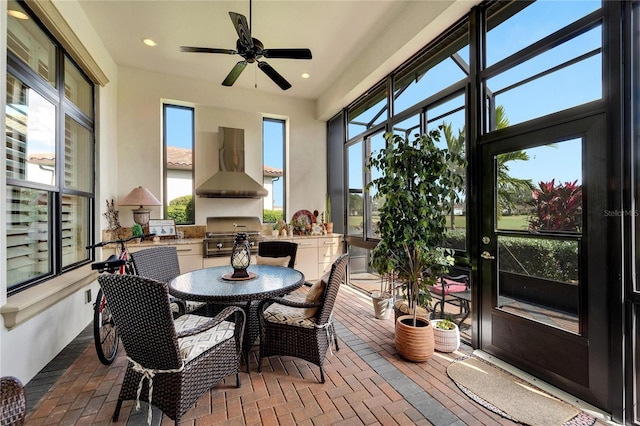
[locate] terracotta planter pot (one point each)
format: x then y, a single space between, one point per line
329 227
414 343
445 340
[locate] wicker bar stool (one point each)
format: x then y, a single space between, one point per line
279 249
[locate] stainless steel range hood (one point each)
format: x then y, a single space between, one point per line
231 181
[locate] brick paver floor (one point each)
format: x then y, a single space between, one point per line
367 383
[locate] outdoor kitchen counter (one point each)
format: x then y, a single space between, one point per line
164 242
316 253
189 250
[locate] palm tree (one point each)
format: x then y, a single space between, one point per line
456 145
509 188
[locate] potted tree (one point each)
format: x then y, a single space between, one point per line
416 185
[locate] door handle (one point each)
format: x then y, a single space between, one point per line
486 255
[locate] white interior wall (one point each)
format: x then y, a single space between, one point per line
140 98
28 347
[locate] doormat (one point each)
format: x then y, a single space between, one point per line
512 398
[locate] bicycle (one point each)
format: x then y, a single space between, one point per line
105 332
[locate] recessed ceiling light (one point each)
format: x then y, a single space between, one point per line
17 14
305 75
149 42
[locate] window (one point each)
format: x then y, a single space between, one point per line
432 71
555 73
368 112
273 161
178 165
450 114
49 162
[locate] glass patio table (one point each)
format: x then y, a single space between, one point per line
208 285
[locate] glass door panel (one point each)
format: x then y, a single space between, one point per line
539 219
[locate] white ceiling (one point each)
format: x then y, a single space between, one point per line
336 31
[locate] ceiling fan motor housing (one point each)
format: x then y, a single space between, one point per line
250 54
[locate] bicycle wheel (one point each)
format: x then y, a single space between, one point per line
105 333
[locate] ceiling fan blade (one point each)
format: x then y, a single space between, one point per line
273 75
287 53
207 50
235 73
243 30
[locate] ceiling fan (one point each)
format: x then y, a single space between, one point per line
252 50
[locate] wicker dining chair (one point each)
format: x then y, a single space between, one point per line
162 264
13 402
271 249
291 328
279 249
174 361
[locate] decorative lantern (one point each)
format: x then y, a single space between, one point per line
240 256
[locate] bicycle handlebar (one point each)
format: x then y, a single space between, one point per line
120 241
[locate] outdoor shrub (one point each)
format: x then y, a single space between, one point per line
181 210
271 216
557 208
551 259
456 238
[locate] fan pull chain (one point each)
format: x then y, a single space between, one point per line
255 77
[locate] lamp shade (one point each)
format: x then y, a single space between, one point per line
140 197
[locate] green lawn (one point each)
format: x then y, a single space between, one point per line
515 222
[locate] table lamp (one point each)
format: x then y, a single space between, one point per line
140 197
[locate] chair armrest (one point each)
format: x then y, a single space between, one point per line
286 302
223 315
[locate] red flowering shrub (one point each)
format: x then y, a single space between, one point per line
557 208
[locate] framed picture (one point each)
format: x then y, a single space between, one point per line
162 227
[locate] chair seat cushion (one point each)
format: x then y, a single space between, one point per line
192 306
192 346
451 288
273 261
289 315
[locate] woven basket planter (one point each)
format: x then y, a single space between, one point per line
401 307
414 343
445 340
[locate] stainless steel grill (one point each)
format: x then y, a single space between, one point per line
221 232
